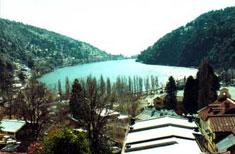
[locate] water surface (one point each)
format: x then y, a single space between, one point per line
113 69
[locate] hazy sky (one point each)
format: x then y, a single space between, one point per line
116 26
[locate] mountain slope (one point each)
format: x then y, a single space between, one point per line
211 36
42 49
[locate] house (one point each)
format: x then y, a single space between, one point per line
152 113
227 144
11 127
161 135
158 102
216 122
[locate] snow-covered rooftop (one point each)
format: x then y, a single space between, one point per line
161 135
107 112
11 125
163 121
157 133
178 145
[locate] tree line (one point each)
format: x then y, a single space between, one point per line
198 92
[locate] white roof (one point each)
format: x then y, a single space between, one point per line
17 85
161 136
163 121
159 133
107 112
11 125
180 93
181 146
122 116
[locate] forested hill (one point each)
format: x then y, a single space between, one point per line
211 36
44 50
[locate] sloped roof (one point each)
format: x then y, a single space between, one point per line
161 135
226 143
165 146
222 124
11 125
217 109
163 121
152 113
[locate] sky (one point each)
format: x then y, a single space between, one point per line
115 26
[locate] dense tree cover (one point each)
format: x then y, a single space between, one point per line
201 91
6 83
66 141
171 91
208 84
44 50
211 35
6 74
190 95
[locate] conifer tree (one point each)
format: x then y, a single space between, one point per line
190 95
76 98
171 91
208 84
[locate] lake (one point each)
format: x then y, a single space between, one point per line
113 69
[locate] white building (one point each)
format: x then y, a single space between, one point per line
11 126
161 136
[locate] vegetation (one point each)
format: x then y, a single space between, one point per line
44 50
6 82
66 141
91 106
171 91
211 36
201 91
208 84
190 95
32 105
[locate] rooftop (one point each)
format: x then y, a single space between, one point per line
11 125
152 113
161 135
226 143
165 146
222 124
164 120
226 107
107 112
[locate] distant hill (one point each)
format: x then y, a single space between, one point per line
44 50
211 36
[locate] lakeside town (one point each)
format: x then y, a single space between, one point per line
134 116
117 77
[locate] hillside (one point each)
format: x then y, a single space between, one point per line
211 36
44 50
